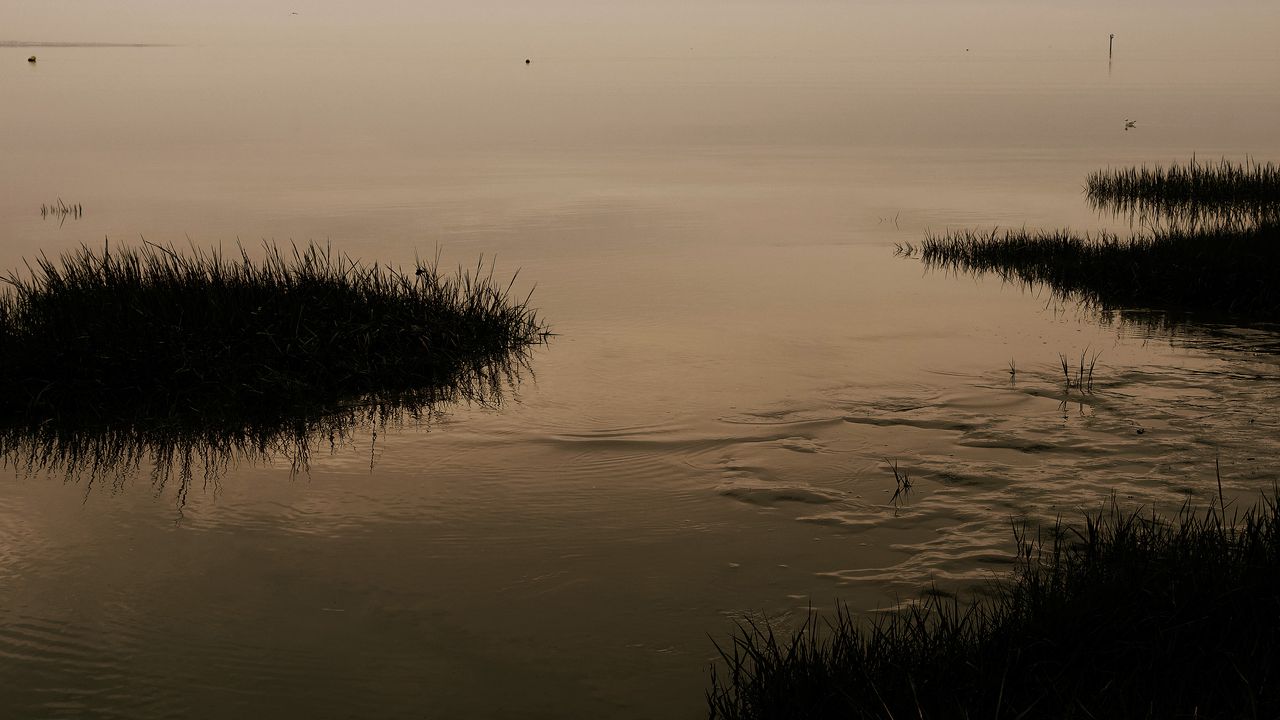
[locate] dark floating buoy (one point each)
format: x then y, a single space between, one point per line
31 59
527 61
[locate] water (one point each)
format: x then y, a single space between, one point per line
708 205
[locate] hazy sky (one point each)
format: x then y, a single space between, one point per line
727 27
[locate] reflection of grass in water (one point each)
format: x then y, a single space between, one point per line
61 210
1227 270
902 480
1204 184
114 357
1222 195
188 447
1212 244
1129 616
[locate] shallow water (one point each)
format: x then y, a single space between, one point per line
739 356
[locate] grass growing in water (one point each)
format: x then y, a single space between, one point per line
1129 616
112 358
1212 244
62 211
144 335
1233 271
1083 379
1226 191
902 481
115 359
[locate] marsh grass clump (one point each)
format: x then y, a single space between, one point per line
1191 194
1227 271
1128 615
115 360
149 337
1209 244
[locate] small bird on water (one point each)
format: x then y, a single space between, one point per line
1128 124
31 59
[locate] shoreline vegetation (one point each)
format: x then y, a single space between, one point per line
1128 615
111 356
1211 244
1227 193
1220 271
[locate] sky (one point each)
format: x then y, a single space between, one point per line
664 27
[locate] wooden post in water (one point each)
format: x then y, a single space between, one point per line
1110 43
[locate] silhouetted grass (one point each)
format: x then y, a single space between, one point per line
113 359
150 337
1201 183
1127 616
1210 248
1083 375
1224 194
1232 271
61 210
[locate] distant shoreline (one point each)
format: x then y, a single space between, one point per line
35 43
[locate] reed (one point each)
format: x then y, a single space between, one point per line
1226 271
902 481
148 337
1082 377
1124 615
1222 194
61 211
1224 182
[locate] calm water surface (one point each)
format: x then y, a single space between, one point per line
739 352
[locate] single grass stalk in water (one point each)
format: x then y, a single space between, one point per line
1087 375
902 478
1124 615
